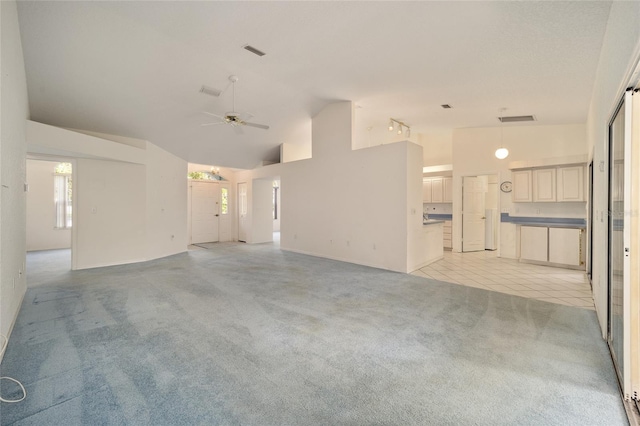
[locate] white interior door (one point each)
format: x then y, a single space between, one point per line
473 215
205 198
242 211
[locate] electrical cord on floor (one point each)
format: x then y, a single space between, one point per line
24 392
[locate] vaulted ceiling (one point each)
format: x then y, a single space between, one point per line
135 68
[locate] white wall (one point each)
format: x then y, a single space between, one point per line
166 203
130 199
619 52
437 146
110 208
14 111
41 216
294 152
347 205
473 155
262 210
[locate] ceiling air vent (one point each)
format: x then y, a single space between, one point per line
253 50
446 106
517 118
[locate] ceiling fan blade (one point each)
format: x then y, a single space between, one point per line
259 126
244 116
238 130
213 124
213 115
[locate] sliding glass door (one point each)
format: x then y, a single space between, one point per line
618 280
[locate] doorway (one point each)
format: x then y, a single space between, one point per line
479 213
49 211
590 226
242 212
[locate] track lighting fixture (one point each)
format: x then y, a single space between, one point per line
401 126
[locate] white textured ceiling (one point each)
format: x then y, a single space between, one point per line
135 68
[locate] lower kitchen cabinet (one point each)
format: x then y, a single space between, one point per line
565 246
534 243
555 246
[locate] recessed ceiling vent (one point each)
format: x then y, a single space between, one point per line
517 118
253 50
446 106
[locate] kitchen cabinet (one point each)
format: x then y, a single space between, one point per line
522 191
534 243
447 183
548 185
555 246
565 246
570 184
544 185
426 191
437 190
446 234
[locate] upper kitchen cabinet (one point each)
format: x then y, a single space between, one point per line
570 183
549 184
544 185
447 183
437 192
426 191
522 191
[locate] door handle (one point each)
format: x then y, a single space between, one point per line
217 215
483 217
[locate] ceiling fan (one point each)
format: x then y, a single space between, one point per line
233 118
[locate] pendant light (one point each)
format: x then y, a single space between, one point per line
502 152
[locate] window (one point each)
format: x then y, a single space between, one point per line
224 200
62 192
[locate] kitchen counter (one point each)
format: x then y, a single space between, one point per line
551 225
431 221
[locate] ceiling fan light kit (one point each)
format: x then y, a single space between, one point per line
234 118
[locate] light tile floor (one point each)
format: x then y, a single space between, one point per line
484 269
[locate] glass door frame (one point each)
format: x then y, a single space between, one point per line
623 372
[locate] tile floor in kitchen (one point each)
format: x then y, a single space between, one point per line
484 269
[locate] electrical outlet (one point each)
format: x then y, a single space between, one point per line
374 246
348 244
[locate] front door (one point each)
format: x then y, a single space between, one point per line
204 212
473 214
242 212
